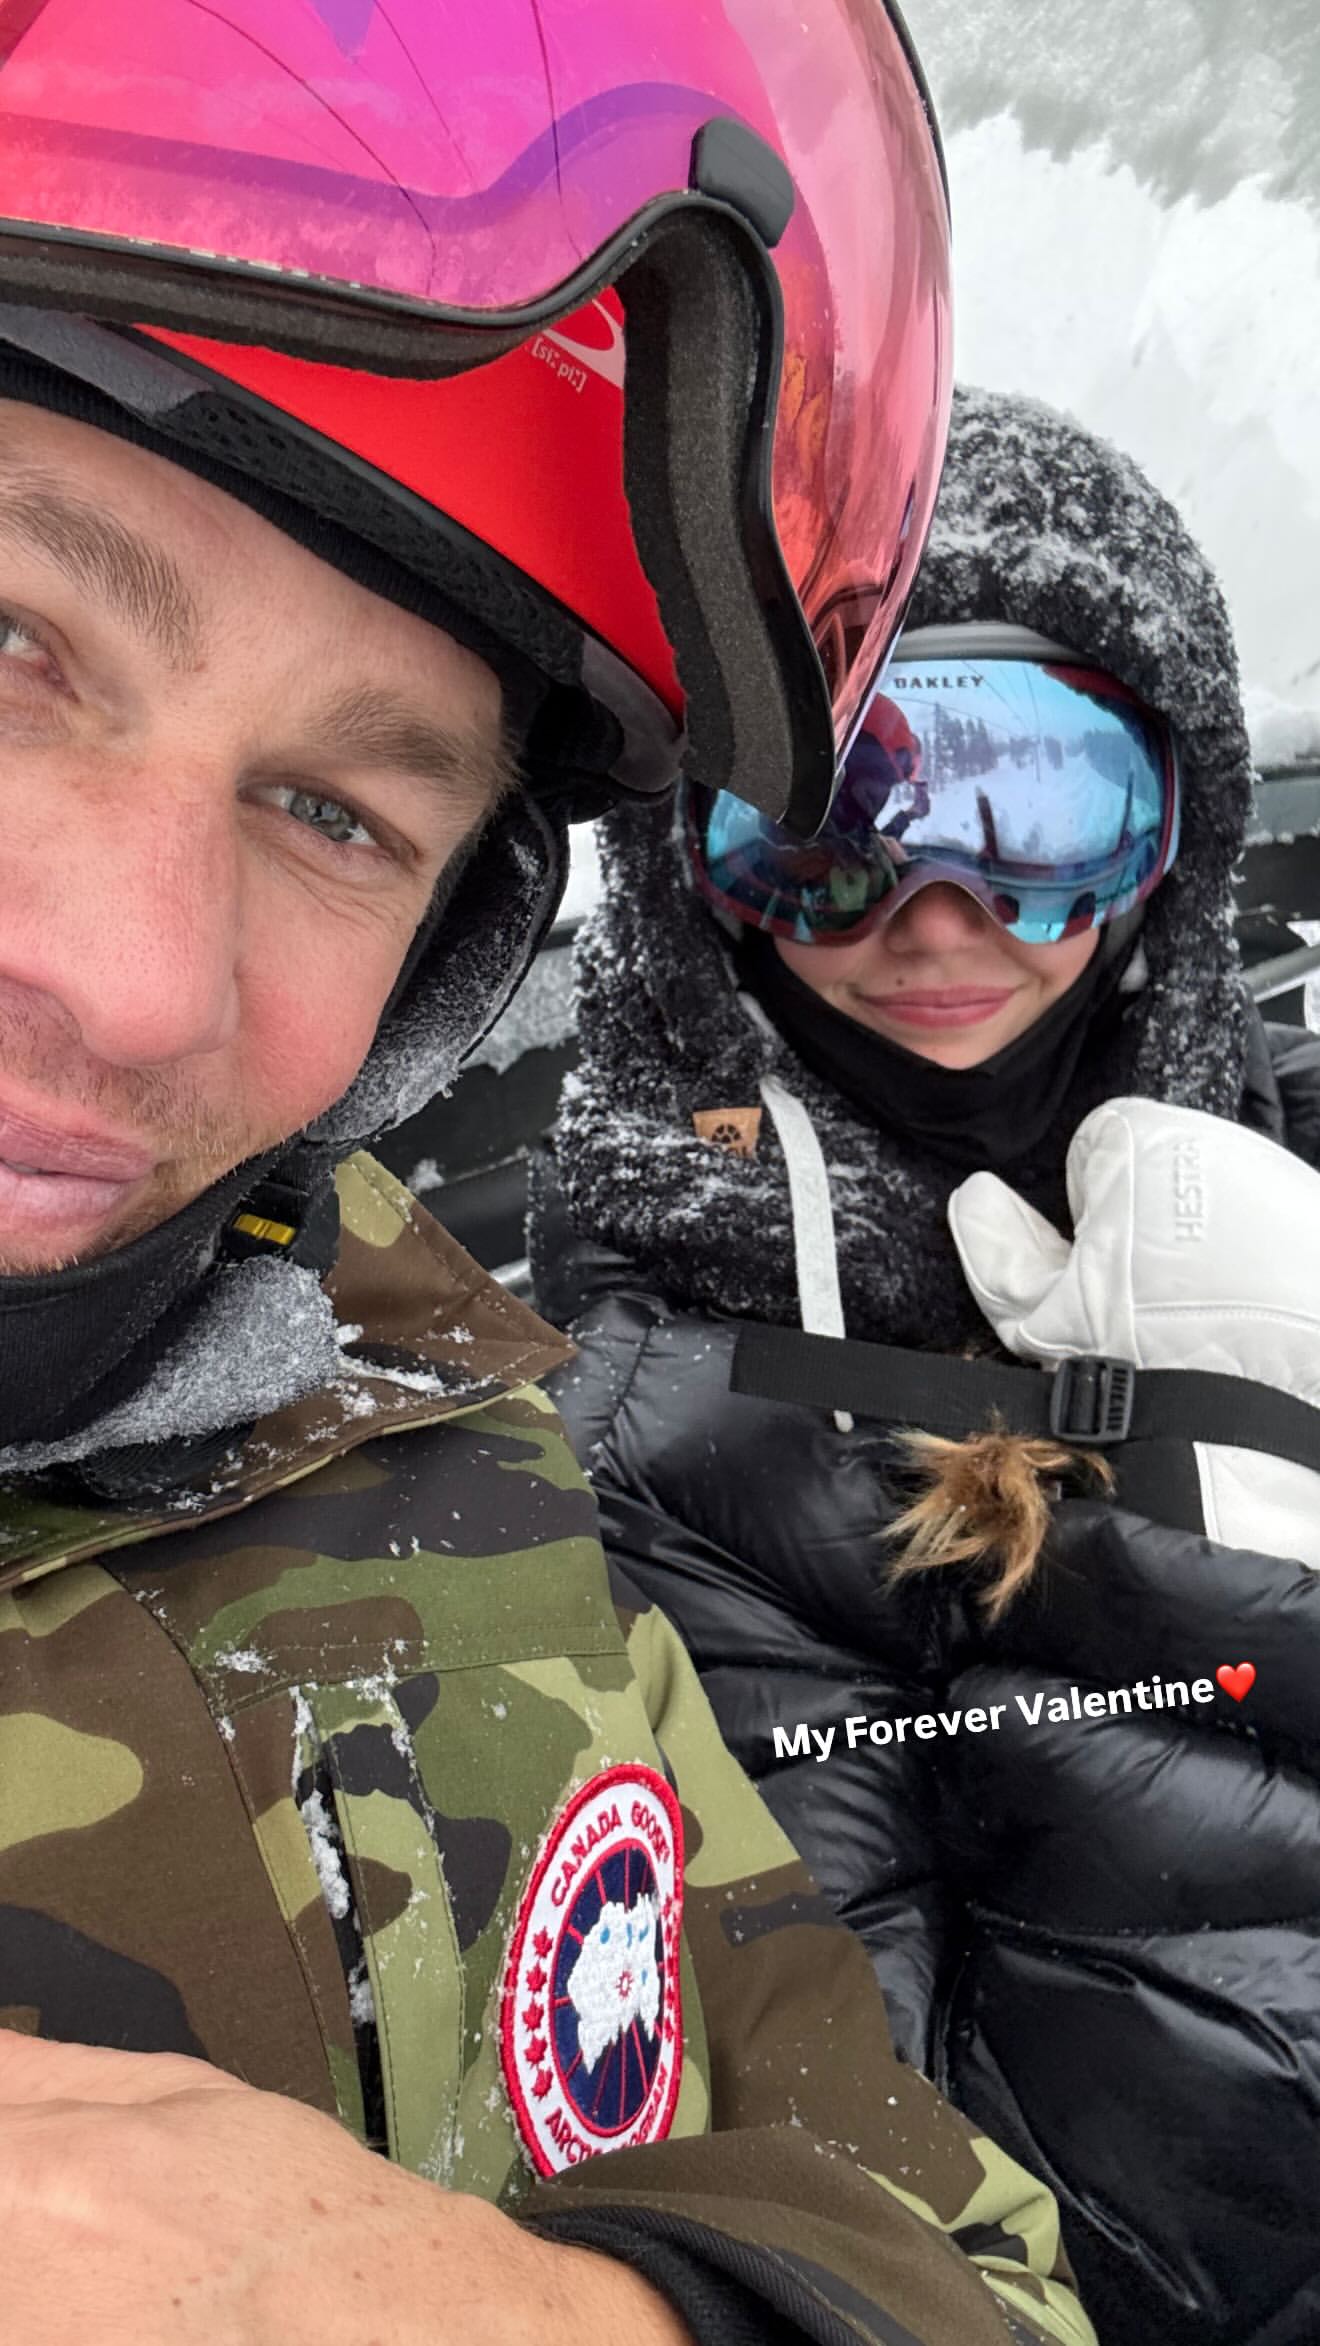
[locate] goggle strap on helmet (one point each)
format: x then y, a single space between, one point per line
123 283
703 371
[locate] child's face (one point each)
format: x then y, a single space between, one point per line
942 978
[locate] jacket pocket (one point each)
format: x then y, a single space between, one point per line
408 1983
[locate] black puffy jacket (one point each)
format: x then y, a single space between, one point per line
1101 1938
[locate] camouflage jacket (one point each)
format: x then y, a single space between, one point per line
348 1773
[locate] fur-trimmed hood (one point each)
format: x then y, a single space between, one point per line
1042 525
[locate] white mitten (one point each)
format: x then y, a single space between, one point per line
1197 1246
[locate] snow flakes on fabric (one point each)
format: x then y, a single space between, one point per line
540 1017
472 965
263 1335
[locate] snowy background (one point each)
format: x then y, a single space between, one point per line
1136 209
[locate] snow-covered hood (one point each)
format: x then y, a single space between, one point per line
1041 526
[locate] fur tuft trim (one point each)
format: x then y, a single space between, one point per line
986 1501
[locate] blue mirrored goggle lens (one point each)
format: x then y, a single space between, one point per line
1047 791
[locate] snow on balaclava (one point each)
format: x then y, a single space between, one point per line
1043 526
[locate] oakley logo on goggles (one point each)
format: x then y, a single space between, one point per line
1044 788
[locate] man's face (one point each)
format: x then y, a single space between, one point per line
229 781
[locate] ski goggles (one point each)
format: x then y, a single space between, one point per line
417 189
1038 784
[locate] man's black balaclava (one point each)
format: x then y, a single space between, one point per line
124 1365
1039 526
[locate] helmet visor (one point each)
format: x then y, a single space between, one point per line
1046 791
468 165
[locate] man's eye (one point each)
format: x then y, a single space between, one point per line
19 644
328 817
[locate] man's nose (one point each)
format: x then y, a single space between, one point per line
131 927
939 918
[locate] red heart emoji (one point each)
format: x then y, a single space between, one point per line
1239 1681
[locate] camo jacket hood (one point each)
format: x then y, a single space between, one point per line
348 1771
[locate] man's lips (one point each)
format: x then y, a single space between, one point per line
941 1006
80 1155
59 1188
55 1209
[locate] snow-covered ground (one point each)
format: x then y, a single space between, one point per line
1136 202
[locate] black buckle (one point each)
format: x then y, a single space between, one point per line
1091 1400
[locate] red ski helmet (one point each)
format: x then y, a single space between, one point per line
625 328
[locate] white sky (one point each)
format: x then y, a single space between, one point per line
1136 202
